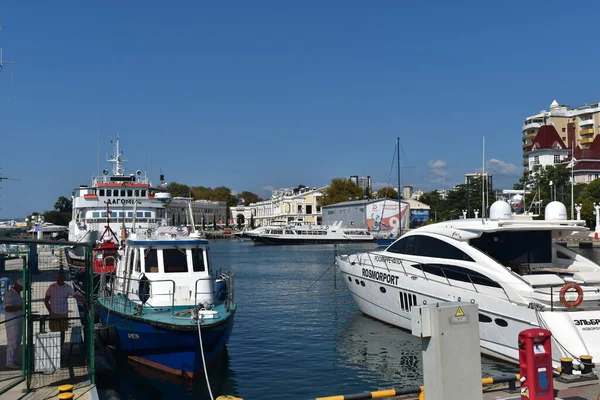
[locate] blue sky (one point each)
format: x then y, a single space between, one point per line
255 95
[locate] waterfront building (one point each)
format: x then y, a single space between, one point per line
547 149
577 126
205 212
290 205
407 192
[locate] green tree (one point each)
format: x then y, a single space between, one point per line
247 198
341 190
63 204
179 190
387 192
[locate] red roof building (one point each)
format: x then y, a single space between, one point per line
547 148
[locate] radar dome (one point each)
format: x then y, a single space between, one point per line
163 196
555 210
500 210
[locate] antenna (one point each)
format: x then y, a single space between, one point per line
98 154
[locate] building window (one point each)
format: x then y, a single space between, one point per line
556 159
564 129
536 160
309 209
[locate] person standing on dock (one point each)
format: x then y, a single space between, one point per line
13 307
57 303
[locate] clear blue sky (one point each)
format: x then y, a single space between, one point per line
269 94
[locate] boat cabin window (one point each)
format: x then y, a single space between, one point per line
137 262
147 214
129 214
513 248
139 214
457 273
151 260
143 193
108 192
198 260
96 214
426 246
175 260
122 192
560 254
101 192
137 193
129 193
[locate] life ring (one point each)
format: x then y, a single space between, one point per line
563 292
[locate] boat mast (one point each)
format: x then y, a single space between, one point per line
483 182
399 193
117 160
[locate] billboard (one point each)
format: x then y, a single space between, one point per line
417 217
383 216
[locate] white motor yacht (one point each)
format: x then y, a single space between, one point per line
511 266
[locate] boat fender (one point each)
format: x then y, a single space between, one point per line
144 289
563 292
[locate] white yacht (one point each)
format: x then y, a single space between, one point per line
10 229
509 265
133 203
309 234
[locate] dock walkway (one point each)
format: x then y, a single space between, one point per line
71 366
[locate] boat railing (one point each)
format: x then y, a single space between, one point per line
366 258
122 285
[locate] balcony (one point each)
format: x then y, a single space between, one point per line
534 125
526 146
530 136
586 131
586 140
586 122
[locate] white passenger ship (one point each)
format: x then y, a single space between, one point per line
133 202
309 234
510 266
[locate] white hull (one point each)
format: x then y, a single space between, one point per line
505 319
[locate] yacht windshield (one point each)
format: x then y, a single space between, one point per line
510 247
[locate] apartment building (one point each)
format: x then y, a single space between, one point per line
575 126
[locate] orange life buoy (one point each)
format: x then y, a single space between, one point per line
563 292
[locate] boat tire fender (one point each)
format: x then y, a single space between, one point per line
563 292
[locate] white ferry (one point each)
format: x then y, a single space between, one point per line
133 203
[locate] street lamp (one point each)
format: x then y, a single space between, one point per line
578 208
464 212
476 211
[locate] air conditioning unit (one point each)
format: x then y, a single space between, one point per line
47 352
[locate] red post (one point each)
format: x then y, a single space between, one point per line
535 364
596 235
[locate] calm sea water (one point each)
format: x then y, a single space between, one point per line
295 336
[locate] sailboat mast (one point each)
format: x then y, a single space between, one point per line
399 188
483 182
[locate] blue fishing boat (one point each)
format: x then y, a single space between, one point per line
166 307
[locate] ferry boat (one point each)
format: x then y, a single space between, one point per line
134 202
309 234
166 307
509 265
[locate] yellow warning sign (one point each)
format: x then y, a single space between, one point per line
459 312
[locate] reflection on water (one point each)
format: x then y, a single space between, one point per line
380 351
138 381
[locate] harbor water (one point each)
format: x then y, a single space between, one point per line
297 334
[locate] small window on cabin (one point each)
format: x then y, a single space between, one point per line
138 262
129 193
108 192
103 214
101 191
96 214
139 214
147 214
198 260
562 255
143 192
122 192
136 193
175 260
129 214
150 260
